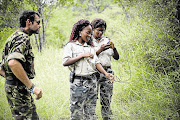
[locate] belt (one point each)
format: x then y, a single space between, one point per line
82 77
89 77
14 82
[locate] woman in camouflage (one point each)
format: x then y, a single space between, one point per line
80 57
105 49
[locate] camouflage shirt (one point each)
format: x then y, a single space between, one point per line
18 47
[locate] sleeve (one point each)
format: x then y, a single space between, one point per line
18 50
96 58
67 52
110 51
16 55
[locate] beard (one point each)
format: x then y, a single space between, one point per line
33 31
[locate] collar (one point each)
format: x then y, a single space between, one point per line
101 39
78 43
22 30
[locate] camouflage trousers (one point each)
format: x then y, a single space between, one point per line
106 91
20 100
83 97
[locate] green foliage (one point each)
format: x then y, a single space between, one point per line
60 26
9 13
89 6
141 93
146 36
162 51
53 80
4 34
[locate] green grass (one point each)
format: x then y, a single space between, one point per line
141 95
52 77
5 113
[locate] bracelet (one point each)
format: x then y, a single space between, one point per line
31 89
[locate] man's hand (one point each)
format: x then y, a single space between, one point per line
110 77
38 92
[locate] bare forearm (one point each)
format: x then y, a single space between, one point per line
2 72
108 75
71 61
98 52
100 68
19 72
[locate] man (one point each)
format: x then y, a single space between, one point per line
17 67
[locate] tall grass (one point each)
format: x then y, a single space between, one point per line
52 77
141 94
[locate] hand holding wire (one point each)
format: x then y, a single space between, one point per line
110 77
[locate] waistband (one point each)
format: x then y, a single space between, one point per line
14 82
82 77
89 77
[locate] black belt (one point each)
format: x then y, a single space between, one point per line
82 77
89 77
14 82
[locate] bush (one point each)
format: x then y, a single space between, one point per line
4 34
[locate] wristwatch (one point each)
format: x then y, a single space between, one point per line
31 89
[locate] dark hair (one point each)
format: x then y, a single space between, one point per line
27 14
98 22
77 27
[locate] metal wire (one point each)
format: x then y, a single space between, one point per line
117 79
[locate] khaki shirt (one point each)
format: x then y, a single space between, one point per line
85 66
104 56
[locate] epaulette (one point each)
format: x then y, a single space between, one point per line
66 44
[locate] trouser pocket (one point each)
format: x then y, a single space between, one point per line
78 91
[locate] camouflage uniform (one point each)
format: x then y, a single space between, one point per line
83 89
19 97
106 88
